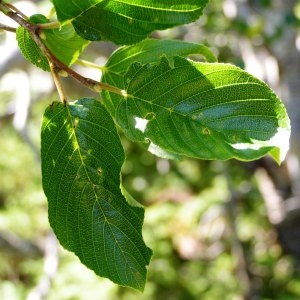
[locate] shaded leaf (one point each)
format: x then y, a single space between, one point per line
203 110
81 161
128 21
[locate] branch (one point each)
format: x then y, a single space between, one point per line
7 28
17 247
34 31
58 84
12 7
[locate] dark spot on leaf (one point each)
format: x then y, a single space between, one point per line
99 171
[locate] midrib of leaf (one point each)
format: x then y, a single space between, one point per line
189 114
24 41
155 8
206 76
171 109
133 5
96 202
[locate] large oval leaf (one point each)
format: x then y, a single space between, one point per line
81 162
203 110
128 21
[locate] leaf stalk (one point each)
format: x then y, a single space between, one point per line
87 63
50 25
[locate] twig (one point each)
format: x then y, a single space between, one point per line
18 247
58 84
7 28
16 10
35 31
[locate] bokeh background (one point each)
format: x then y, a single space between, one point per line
219 230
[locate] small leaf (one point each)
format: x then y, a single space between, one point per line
81 161
126 22
203 110
64 43
30 49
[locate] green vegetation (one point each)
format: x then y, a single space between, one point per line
205 221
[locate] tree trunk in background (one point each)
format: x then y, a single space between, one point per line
286 52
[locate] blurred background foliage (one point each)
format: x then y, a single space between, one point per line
219 230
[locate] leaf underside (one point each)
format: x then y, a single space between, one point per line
81 162
128 21
203 110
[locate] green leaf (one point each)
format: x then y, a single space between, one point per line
127 21
64 43
30 49
147 51
82 157
203 110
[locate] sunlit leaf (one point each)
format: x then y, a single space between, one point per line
127 21
203 110
147 51
30 49
63 42
81 161
119 62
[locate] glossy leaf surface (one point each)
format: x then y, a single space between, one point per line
203 110
81 162
128 21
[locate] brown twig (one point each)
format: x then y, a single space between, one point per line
58 84
15 9
34 31
7 28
